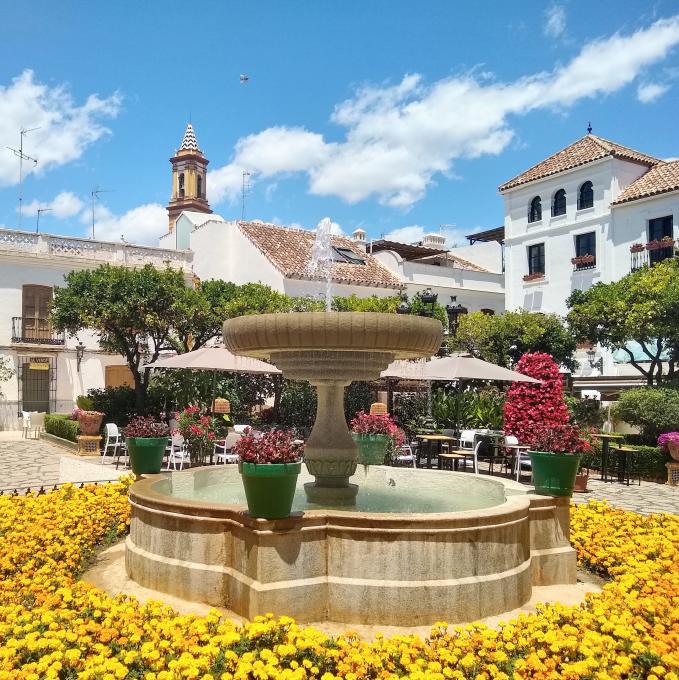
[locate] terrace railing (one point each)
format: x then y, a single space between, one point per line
652 252
34 331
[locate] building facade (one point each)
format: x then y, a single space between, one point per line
590 213
50 369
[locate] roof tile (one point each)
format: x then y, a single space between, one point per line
289 250
587 149
660 179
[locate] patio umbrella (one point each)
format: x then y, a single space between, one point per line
453 368
215 359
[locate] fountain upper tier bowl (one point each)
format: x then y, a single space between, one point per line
342 346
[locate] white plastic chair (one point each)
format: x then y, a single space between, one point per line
405 455
114 441
240 429
223 455
37 421
467 439
177 452
25 424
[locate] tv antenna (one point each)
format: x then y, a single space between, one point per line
95 196
37 218
245 190
244 77
22 157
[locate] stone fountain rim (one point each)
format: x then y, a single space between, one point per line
400 336
142 493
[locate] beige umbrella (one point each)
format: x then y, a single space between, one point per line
214 359
453 368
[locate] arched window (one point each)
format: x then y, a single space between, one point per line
586 196
559 203
535 210
181 185
199 186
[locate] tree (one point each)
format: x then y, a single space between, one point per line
653 410
6 371
132 311
531 408
503 338
642 307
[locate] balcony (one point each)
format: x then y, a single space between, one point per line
648 254
33 331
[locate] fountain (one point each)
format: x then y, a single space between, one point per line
407 547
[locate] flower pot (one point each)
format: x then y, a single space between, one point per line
673 448
146 454
554 473
581 481
372 448
90 422
269 488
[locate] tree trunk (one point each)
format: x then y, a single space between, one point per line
139 395
277 394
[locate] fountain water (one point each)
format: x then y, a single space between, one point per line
322 257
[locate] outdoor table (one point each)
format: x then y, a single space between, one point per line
456 456
606 440
439 439
623 469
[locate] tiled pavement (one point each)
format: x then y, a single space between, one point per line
28 462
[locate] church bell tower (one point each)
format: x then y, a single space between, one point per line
189 172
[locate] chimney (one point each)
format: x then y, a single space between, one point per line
359 238
434 241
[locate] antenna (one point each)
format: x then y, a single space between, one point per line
245 190
37 219
95 195
244 78
446 226
22 157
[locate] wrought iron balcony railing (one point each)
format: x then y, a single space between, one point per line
648 254
35 331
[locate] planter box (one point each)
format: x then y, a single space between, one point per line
269 488
146 454
554 473
372 448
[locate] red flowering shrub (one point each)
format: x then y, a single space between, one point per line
560 439
146 426
532 408
366 423
276 446
198 431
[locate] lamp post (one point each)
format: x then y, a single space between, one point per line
594 362
79 354
454 312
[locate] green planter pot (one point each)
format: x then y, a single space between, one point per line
269 487
372 448
554 473
146 454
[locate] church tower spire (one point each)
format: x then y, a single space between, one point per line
189 172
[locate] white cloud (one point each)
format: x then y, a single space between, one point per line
415 233
144 224
65 128
400 137
649 92
62 206
555 21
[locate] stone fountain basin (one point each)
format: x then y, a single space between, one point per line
362 567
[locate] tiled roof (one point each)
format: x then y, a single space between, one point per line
189 143
589 148
457 262
660 179
289 250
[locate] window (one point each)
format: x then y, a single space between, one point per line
199 187
348 255
585 245
536 259
36 302
586 196
559 203
535 210
658 229
181 185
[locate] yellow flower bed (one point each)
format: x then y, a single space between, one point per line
53 626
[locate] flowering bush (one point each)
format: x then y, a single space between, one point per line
198 430
560 439
54 626
531 408
146 426
275 446
366 423
668 438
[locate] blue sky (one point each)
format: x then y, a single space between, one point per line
395 116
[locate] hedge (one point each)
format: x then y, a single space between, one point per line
61 425
649 462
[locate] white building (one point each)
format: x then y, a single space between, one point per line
583 215
49 373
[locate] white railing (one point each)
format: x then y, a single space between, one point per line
46 245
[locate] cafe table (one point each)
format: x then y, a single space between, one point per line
606 440
437 439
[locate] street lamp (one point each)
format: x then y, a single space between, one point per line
593 361
454 313
79 354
